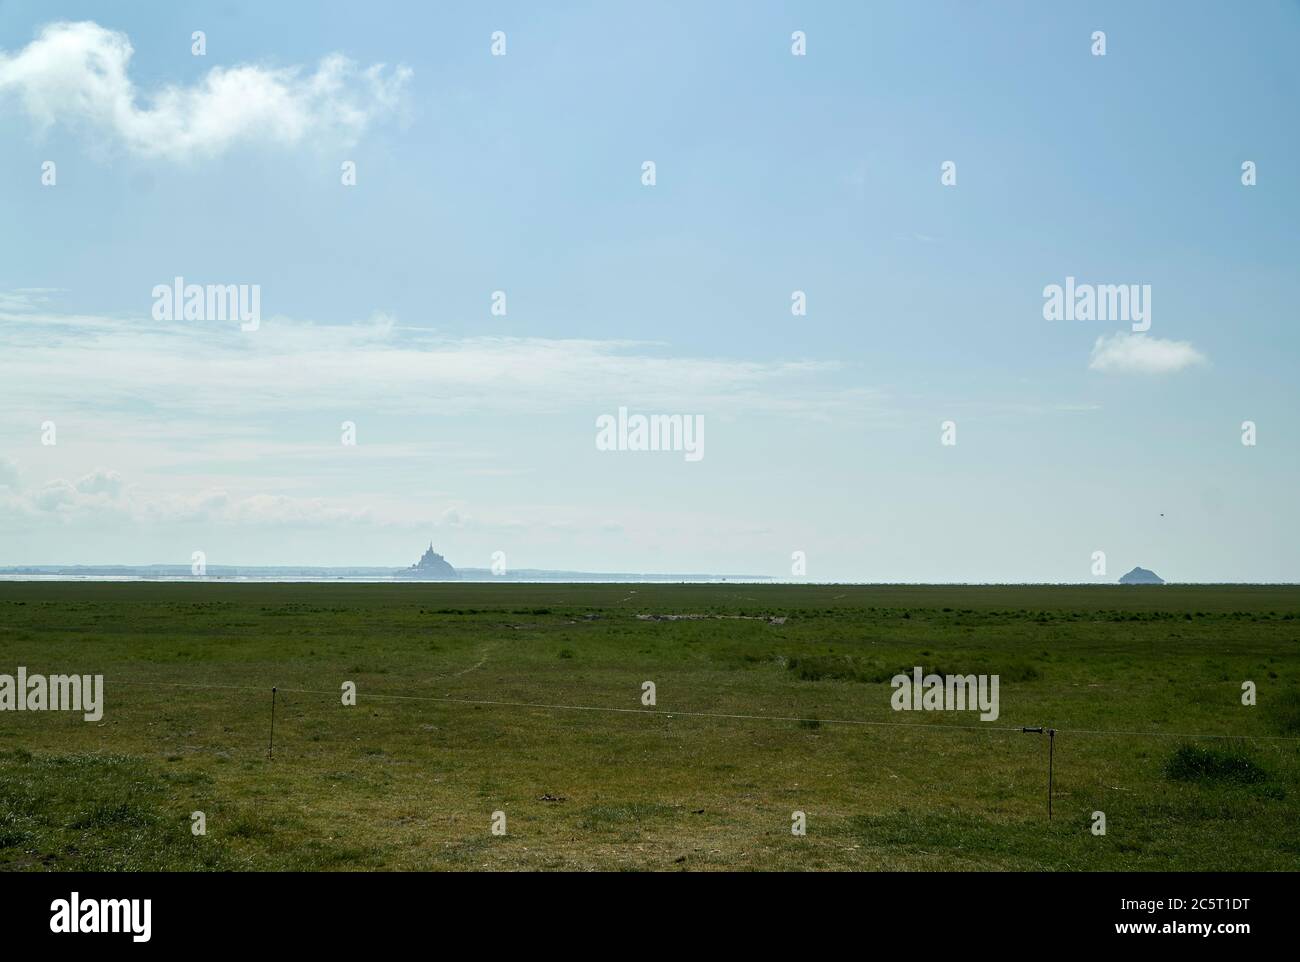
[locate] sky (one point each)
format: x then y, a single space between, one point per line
522 171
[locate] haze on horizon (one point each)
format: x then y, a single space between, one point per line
774 174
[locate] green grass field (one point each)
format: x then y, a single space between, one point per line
412 782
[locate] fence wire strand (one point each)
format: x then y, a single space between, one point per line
732 716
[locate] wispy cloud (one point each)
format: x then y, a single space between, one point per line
204 423
25 299
77 74
1125 353
104 495
99 364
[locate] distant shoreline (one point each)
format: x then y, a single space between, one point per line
393 576
245 574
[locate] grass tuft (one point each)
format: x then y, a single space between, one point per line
1193 763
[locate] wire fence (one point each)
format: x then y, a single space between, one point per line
733 716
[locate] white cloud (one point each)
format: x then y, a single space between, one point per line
101 481
214 426
77 74
97 365
1125 353
99 492
26 298
104 494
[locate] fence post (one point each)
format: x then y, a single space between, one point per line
271 748
1051 752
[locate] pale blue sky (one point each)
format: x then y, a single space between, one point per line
775 173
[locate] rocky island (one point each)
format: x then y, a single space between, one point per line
431 567
1141 576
